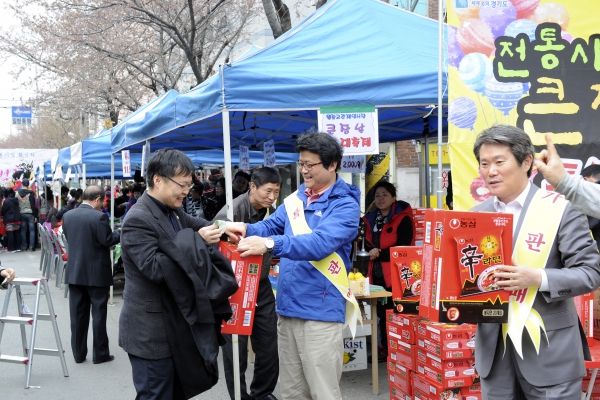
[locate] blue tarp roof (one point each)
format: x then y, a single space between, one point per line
349 52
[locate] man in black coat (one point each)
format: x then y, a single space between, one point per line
156 218
89 273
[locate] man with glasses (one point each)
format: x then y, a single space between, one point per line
89 273
156 217
253 206
312 233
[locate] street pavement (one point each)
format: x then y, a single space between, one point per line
110 380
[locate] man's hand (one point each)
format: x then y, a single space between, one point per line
10 273
211 234
253 245
235 231
549 163
516 277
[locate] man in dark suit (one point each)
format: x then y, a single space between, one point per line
156 217
89 273
505 155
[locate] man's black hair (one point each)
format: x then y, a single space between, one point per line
265 175
137 188
327 147
591 171
243 175
168 163
63 190
125 191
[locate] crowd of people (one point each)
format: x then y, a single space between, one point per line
175 277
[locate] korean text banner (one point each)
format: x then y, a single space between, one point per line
534 64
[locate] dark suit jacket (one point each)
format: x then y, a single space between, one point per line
195 300
90 237
572 269
141 326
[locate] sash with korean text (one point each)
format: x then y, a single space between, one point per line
532 248
332 266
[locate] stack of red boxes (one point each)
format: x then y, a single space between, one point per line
419 219
430 360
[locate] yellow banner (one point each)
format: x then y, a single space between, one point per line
532 248
534 64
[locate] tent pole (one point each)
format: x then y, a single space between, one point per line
440 189
112 219
84 183
229 202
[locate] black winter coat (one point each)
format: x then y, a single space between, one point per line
10 210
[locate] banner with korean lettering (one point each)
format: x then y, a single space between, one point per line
24 160
269 153
126 159
356 127
534 64
244 158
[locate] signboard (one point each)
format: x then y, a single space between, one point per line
356 127
530 64
14 160
126 164
354 164
269 153
244 158
21 115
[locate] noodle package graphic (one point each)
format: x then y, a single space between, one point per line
406 266
461 252
479 254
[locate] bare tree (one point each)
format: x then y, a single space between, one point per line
278 16
99 57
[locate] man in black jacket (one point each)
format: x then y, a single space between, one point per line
89 273
157 217
29 215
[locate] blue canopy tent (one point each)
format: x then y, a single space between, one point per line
381 56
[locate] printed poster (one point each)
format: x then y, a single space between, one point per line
534 64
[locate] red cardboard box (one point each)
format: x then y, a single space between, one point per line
585 309
436 349
423 389
399 377
448 336
458 368
243 302
446 382
406 263
400 352
458 244
471 392
404 325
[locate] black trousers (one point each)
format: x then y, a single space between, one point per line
155 379
81 298
264 345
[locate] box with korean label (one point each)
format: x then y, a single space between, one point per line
404 325
399 376
585 310
406 265
243 302
461 252
447 336
458 368
400 352
424 389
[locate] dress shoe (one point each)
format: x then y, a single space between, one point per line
79 361
109 358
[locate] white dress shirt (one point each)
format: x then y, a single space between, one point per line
515 207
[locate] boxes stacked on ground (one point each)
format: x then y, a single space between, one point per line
430 360
406 267
585 310
461 251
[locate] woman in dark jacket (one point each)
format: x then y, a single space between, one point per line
390 223
214 201
12 217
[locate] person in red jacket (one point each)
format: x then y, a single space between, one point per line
389 223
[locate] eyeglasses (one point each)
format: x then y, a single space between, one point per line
308 166
183 187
